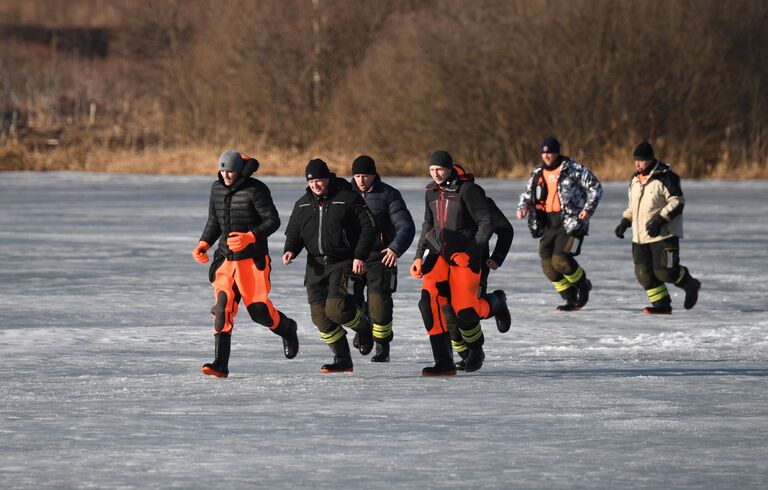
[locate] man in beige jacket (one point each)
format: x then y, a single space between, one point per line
655 214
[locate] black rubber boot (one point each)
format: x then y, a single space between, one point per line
342 359
691 293
441 351
475 358
382 352
462 364
663 307
364 334
287 330
219 367
583 287
497 300
570 296
356 341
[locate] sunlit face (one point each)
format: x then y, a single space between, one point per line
364 181
549 158
439 174
319 187
229 176
642 166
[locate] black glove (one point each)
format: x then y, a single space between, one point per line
579 231
625 223
654 226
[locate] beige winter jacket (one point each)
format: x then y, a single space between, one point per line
660 195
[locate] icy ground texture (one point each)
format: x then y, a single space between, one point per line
104 323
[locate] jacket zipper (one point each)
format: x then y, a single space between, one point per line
320 228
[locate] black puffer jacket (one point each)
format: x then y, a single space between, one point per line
504 231
337 227
244 206
456 219
394 222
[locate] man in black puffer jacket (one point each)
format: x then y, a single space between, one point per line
395 234
333 223
241 215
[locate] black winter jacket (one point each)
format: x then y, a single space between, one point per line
504 231
335 228
244 206
394 222
456 219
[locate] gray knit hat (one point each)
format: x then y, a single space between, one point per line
231 161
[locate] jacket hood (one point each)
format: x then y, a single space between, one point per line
250 168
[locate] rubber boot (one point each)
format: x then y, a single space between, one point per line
219 367
441 351
364 333
462 364
475 358
662 307
287 330
583 287
497 300
342 359
382 352
570 296
691 293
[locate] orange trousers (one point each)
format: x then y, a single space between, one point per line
236 279
444 284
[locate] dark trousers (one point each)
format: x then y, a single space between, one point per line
379 282
658 263
328 291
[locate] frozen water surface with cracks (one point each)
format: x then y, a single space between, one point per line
104 324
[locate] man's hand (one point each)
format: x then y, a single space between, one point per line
654 226
583 215
199 253
358 267
492 264
416 269
521 213
623 225
237 242
390 258
288 257
461 259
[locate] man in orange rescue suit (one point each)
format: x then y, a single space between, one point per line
454 236
333 223
559 199
655 213
241 215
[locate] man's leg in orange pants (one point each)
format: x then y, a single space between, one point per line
434 296
252 278
464 286
224 310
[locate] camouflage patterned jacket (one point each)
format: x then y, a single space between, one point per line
578 189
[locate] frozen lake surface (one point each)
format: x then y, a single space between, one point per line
104 324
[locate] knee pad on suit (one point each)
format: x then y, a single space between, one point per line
260 314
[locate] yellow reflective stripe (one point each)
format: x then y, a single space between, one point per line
382 331
657 294
574 278
472 335
562 285
683 270
459 346
355 321
333 336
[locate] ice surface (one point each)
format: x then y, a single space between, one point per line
104 323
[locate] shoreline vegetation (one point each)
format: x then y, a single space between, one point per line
164 86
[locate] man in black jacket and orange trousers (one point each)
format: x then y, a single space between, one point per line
241 215
454 236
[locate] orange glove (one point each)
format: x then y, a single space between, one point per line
199 253
461 259
238 241
416 269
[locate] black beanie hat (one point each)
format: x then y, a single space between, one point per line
317 169
441 158
231 161
364 165
550 145
644 151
